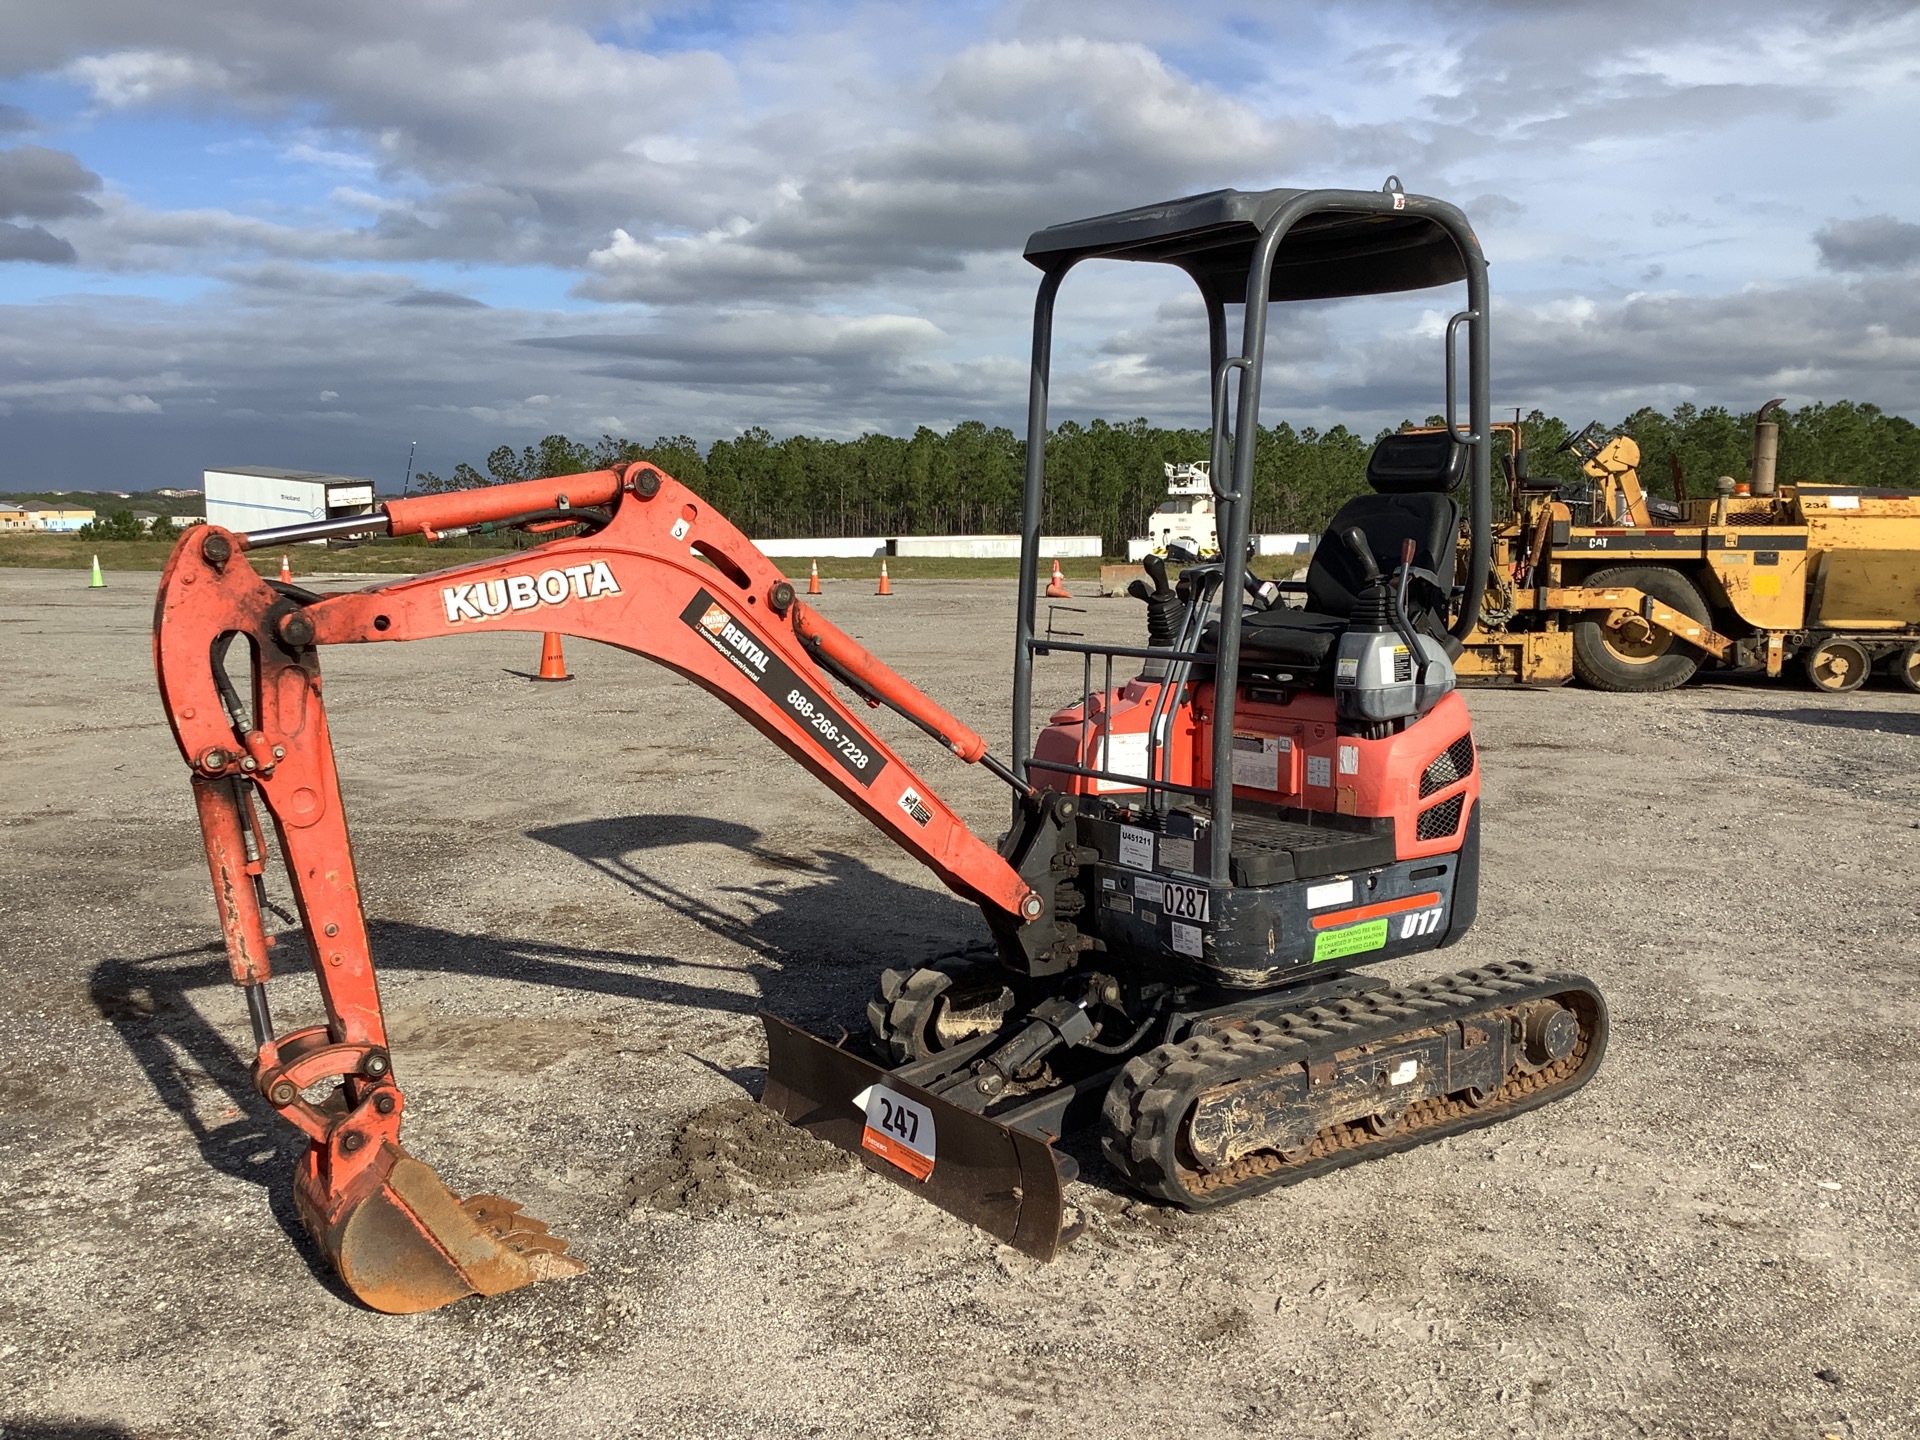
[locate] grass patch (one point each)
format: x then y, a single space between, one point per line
69 552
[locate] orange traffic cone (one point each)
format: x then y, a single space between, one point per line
553 664
1057 586
886 586
813 578
286 571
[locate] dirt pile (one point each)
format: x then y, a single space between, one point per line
727 1153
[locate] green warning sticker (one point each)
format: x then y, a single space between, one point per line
1350 940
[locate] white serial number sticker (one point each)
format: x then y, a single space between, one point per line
1186 939
1333 892
898 1130
1185 902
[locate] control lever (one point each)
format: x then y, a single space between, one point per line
1356 539
1163 604
1402 621
1157 569
1405 578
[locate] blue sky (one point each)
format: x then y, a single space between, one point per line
234 235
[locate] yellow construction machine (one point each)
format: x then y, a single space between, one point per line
1630 593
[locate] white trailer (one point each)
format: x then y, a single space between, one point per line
264 497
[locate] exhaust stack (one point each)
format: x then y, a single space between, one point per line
1766 449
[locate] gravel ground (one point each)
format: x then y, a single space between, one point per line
580 893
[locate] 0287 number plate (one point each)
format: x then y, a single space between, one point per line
898 1130
1185 902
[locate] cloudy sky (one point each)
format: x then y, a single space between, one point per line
309 234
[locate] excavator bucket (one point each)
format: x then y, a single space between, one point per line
1008 1181
406 1244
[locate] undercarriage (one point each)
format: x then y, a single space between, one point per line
1214 1097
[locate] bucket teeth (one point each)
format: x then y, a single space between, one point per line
529 1238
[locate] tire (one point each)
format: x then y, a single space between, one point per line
1904 666
1601 659
1837 665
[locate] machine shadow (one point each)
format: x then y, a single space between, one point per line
821 923
1893 722
812 963
147 1002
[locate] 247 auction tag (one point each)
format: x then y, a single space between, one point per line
899 1130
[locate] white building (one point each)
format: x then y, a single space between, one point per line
265 497
56 519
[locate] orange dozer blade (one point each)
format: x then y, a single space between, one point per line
406 1244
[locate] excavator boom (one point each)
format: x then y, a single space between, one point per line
659 573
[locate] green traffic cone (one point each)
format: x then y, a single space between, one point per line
99 581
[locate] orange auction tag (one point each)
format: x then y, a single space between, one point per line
899 1130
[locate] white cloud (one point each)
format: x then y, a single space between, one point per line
817 226
126 78
306 153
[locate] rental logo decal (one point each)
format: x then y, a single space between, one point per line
818 718
740 647
484 599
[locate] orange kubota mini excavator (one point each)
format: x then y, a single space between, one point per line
1200 856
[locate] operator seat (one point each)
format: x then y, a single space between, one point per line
1412 475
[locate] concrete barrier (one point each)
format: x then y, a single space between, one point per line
961 547
997 547
832 547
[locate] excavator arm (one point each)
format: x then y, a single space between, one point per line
661 574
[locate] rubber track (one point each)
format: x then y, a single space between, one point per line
1150 1099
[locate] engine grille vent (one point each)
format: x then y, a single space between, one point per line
1439 821
1451 764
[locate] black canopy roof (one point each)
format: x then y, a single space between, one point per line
1350 242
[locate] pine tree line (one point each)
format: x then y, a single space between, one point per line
1105 478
